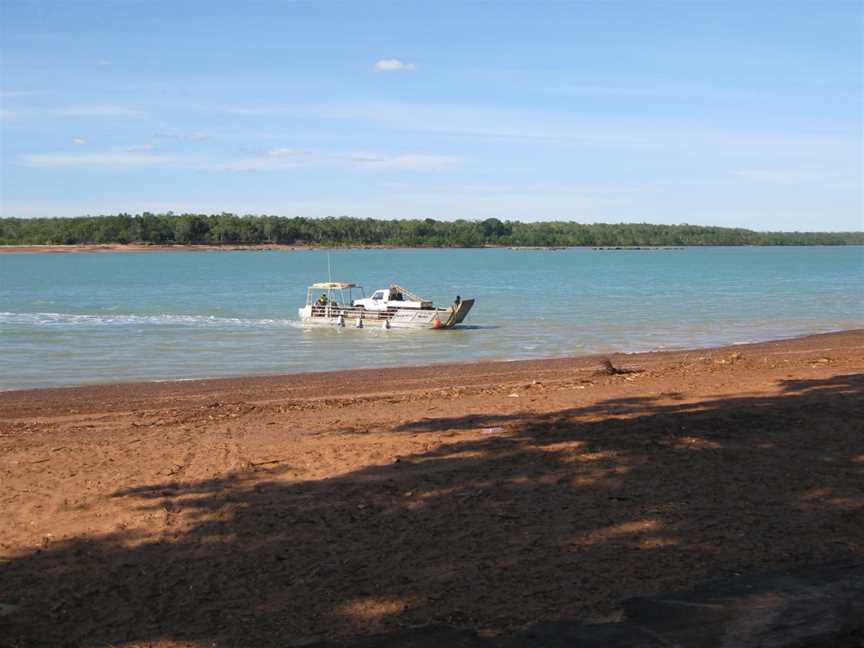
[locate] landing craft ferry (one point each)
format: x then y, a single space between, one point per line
334 304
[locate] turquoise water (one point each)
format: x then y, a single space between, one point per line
88 318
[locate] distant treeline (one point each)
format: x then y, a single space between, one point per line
227 229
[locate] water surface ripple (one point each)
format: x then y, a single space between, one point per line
107 317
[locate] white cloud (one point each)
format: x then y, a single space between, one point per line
99 111
258 110
75 111
103 158
79 141
183 137
407 162
275 159
394 65
835 176
287 152
562 127
11 94
287 158
266 163
781 176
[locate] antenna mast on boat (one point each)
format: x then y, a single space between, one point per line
329 272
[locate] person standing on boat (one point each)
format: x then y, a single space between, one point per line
321 303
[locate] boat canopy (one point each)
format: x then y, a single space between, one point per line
334 285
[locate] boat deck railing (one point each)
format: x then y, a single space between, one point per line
356 312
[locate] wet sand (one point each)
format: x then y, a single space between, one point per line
266 511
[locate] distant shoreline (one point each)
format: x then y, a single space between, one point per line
289 247
143 247
259 247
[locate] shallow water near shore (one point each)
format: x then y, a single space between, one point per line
69 319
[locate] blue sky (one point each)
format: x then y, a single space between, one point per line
728 113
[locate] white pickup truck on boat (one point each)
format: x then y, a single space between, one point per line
393 307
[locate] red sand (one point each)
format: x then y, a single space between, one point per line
262 511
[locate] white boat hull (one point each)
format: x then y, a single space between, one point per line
403 318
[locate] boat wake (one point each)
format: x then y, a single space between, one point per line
62 320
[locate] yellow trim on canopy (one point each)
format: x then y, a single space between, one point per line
334 285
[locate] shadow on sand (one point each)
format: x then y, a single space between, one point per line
550 516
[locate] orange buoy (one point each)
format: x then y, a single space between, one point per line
436 323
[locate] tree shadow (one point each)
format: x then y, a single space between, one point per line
561 515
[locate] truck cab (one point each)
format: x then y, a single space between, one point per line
394 298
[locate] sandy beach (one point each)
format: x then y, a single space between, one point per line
270 510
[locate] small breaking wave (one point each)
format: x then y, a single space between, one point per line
164 319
